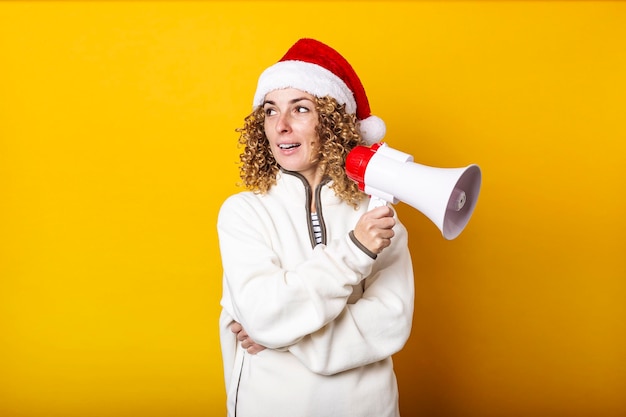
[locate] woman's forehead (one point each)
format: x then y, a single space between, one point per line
288 94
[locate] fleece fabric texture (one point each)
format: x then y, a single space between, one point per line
330 315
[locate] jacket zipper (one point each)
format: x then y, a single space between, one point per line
318 205
243 359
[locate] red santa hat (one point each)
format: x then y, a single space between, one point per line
316 68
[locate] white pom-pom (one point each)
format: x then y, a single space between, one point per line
372 129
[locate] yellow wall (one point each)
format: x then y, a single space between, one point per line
117 146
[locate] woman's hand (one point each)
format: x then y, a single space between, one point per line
246 343
375 229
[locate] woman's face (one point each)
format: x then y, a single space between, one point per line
290 122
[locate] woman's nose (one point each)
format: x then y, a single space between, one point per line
283 124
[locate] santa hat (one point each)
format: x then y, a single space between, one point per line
316 68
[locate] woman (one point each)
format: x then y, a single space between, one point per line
317 291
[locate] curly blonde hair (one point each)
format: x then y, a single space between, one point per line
338 136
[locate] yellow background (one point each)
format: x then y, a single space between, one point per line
117 147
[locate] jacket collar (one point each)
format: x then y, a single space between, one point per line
297 189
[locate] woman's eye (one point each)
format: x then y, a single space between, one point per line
302 109
269 111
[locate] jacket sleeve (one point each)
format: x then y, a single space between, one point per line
376 326
279 306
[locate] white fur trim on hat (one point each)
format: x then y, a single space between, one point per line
307 77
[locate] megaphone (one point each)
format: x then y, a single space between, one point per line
447 196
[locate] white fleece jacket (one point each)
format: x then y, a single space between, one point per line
330 315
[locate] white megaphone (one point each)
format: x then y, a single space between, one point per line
447 196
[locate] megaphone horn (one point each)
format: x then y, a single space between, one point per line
447 196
